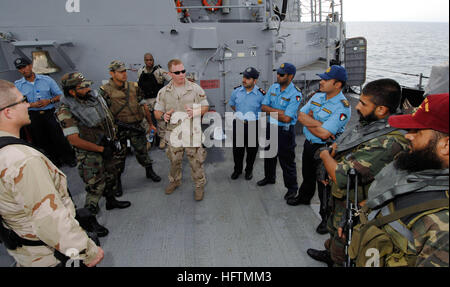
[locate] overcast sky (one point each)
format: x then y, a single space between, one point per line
397 10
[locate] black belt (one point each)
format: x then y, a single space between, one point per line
315 144
43 112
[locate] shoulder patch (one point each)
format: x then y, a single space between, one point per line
262 91
237 87
345 103
298 89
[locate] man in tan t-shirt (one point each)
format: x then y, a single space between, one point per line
178 104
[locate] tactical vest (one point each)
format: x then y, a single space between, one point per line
362 134
124 102
149 85
95 119
351 139
385 234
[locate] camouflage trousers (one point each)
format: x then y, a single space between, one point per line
196 157
160 125
335 244
99 175
139 144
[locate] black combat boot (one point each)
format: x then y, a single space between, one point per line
151 174
119 191
98 229
93 209
322 228
321 255
87 220
112 202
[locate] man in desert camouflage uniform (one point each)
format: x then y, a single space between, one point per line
368 148
125 102
413 192
151 79
34 201
89 126
176 102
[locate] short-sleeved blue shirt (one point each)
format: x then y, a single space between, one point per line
248 104
333 113
44 87
288 101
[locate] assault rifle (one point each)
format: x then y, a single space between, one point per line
129 127
352 209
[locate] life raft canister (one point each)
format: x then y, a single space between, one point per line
212 3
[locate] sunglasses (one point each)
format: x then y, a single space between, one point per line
179 72
281 75
12 105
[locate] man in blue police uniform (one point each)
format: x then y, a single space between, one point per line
42 93
324 118
283 98
246 101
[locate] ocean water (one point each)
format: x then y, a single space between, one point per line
395 48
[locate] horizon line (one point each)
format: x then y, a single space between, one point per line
398 21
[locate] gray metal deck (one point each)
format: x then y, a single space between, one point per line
238 224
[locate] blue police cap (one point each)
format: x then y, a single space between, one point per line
287 68
251 73
21 62
335 72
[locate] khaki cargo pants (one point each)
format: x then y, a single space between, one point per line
196 157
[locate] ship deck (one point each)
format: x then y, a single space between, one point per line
238 224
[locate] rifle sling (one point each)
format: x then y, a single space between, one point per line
434 204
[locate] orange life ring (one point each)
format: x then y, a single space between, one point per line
208 4
178 3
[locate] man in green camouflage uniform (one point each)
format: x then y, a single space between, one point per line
408 201
367 149
34 201
89 127
125 102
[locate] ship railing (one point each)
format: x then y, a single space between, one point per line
295 12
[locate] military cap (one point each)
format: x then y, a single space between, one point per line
117 66
287 68
432 114
21 62
251 73
335 72
75 79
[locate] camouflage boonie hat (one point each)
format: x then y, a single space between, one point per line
75 79
117 66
